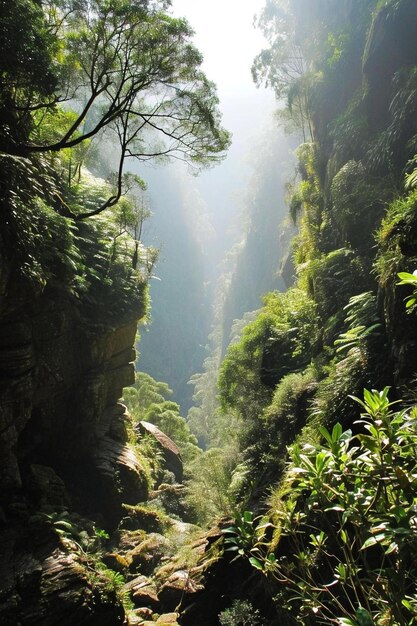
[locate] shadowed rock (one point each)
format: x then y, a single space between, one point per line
169 449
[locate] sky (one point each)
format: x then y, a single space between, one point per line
225 34
210 207
228 40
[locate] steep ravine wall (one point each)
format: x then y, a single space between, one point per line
63 445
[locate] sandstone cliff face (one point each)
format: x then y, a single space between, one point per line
170 451
59 387
63 446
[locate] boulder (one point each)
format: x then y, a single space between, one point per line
118 478
168 618
138 617
142 591
43 582
170 450
178 585
115 562
148 554
140 517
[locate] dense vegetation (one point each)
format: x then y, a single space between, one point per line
75 75
317 477
87 89
325 498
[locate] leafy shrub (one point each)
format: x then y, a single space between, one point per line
241 613
208 489
146 400
350 129
411 280
288 409
280 340
357 360
345 532
39 243
358 201
397 240
334 278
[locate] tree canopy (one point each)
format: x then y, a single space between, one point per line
125 68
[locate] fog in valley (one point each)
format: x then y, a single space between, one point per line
200 223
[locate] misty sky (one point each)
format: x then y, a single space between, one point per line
208 209
225 34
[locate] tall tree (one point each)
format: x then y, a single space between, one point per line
124 66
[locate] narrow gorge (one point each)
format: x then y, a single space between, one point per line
257 464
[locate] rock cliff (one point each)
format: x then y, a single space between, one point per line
63 448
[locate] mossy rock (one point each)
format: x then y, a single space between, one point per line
168 619
142 518
148 554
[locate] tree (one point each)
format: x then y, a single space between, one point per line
282 66
27 75
126 68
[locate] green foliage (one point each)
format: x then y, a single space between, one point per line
287 327
241 613
350 130
240 538
403 107
310 47
239 380
168 419
358 360
208 488
395 238
143 393
358 200
26 67
345 533
362 320
68 73
283 338
74 531
105 273
295 313
146 401
99 263
277 66
107 63
333 278
409 279
309 198
288 409
147 516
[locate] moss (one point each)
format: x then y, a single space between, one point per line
145 517
334 278
397 239
288 409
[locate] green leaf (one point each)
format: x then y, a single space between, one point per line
393 547
230 529
368 442
325 433
364 618
256 563
371 541
346 621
